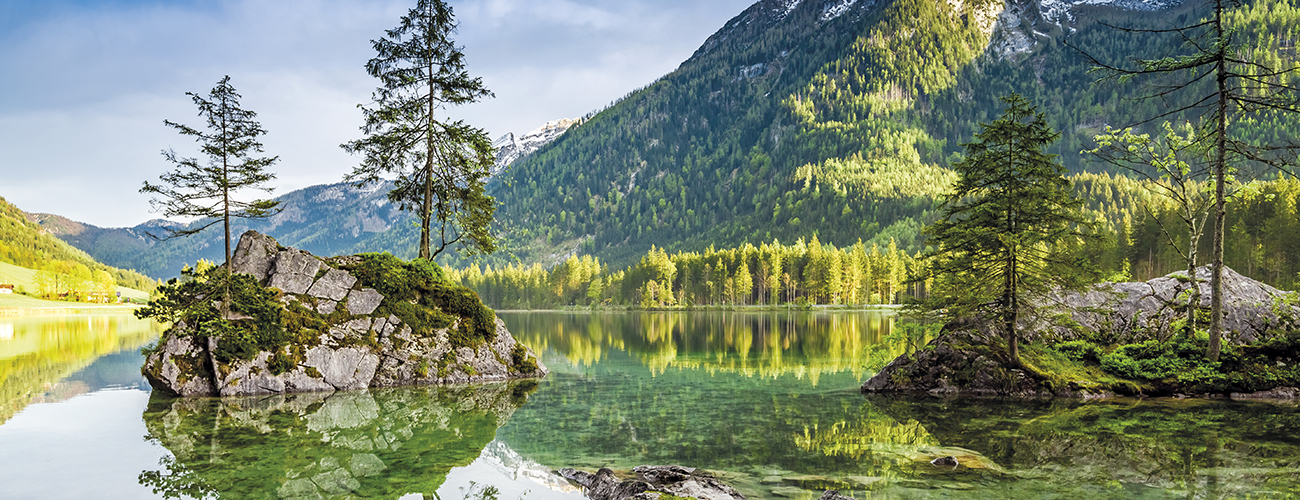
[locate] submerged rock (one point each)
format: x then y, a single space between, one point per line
357 339
652 482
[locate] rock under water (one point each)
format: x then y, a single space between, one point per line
652 482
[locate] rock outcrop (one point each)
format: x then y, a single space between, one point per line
1137 311
361 345
652 482
959 361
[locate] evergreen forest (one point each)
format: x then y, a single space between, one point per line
844 130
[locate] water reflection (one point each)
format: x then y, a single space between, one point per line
730 396
38 352
754 344
381 443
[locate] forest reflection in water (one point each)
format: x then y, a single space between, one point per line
772 406
767 401
766 344
37 354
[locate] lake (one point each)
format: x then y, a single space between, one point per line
768 401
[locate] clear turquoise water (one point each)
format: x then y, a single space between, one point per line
768 401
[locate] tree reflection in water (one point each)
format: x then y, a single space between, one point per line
763 400
40 351
764 344
378 443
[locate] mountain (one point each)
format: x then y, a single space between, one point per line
833 118
837 118
511 148
26 244
329 219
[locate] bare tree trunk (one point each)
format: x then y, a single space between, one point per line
426 211
1220 146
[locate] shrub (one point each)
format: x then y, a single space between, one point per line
1079 350
522 362
191 300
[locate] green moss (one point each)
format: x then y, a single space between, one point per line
521 361
407 286
313 372
281 362
1061 370
424 321
422 370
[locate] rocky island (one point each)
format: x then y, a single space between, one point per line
1121 338
295 322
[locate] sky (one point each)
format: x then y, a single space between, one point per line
86 85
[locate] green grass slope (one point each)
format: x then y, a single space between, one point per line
24 244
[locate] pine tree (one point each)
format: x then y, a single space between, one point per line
441 164
999 240
206 190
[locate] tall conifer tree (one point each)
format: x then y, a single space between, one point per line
1246 87
440 164
1000 241
206 190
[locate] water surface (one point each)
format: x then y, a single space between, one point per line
767 401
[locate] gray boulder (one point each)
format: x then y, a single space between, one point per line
294 271
255 255
358 351
652 482
334 285
363 301
1137 311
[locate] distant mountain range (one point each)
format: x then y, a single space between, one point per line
331 219
327 219
26 244
835 118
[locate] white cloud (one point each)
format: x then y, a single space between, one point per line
86 89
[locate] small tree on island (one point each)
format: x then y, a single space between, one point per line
1003 237
206 190
440 164
1177 170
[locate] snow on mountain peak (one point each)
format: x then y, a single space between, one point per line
835 10
511 148
1058 11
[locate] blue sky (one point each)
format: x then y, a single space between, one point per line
87 84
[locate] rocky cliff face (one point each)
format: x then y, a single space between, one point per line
361 345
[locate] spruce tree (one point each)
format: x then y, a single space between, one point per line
206 189
440 164
1001 242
